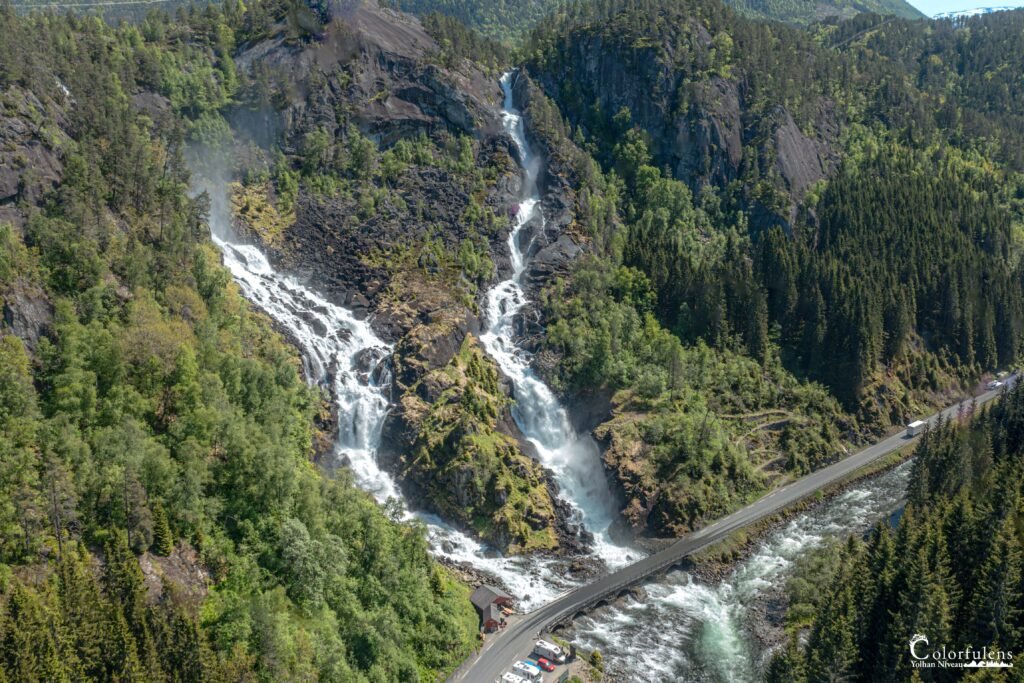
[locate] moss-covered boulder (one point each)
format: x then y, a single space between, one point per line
464 467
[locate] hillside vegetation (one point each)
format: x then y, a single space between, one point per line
892 262
160 514
509 21
768 208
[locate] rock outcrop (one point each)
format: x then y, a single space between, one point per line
372 66
27 312
32 144
31 139
455 457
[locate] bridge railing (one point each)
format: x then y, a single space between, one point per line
660 567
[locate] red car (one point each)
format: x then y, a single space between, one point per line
545 664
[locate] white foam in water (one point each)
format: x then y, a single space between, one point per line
686 630
337 348
574 458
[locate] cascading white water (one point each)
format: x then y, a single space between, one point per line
686 630
343 352
340 350
337 348
574 458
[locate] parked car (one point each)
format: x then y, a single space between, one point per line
545 664
528 671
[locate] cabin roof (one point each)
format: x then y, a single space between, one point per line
487 595
492 613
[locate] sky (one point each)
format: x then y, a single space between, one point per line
933 7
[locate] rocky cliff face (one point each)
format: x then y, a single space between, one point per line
370 66
31 140
704 124
32 144
401 212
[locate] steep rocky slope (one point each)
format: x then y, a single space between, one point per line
753 318
392 191
32 142
720 105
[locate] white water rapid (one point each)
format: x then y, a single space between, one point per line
344 353
337 349
686 630
574 458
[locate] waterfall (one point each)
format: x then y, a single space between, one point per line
574 458
344 353
337 349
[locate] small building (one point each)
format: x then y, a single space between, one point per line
491 619
488 601
915 428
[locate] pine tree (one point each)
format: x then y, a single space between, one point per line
121 657
995 606
178 641
788 666
29 650
85 612
832 647
963 542
124 584
875 604
163 540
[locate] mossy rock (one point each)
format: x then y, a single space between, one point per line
472 472
252 206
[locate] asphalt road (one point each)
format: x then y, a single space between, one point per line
503 648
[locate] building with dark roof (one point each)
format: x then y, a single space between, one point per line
489 595
491 619
488 601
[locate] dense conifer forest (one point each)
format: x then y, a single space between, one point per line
508 21
902 263
163 424
951 570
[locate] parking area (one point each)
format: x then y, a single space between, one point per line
540 668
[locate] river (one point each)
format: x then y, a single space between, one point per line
686 630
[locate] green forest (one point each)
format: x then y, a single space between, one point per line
951 570
730 299
510 21
160 514
788 238
865 278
